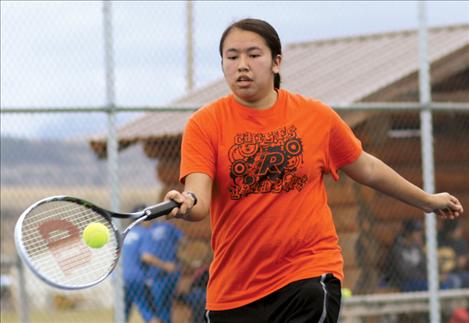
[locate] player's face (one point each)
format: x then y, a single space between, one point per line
248 66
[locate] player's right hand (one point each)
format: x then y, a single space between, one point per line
186 201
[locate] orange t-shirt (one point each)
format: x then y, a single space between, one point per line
270 221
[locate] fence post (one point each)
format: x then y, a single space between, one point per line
428 163
23 295
189 45
112 151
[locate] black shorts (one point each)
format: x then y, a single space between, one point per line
309 300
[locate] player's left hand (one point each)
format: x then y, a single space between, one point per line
446 206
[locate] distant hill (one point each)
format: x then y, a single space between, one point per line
60 163
31 170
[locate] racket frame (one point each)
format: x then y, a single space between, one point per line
148 213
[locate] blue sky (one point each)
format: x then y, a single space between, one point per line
52 52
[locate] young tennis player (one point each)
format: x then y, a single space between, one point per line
255 161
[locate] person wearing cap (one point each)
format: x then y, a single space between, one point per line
408 271
134 272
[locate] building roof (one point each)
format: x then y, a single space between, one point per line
345 70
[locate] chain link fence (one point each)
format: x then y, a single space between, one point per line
55 140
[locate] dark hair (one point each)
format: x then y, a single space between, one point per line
412 225
449 227
263 29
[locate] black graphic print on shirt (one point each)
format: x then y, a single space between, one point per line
266 162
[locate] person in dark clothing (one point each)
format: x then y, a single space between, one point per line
408 264
195 297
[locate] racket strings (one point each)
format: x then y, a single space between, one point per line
52 239
49 214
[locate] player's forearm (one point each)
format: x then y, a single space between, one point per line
201 185
199 211
379 176
389 182
371 171
194 200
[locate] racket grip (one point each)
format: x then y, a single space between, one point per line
160 209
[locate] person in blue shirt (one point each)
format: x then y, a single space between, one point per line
135 265
134 272
163 273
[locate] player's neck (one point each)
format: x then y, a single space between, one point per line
266 102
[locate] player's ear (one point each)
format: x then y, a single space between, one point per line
276 61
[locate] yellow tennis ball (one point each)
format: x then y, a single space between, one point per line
96 235
346 292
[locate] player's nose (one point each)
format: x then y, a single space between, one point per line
243 65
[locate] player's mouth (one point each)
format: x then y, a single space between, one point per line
243 81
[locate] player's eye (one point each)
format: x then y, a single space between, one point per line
232 57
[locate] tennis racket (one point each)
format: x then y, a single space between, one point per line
48 237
